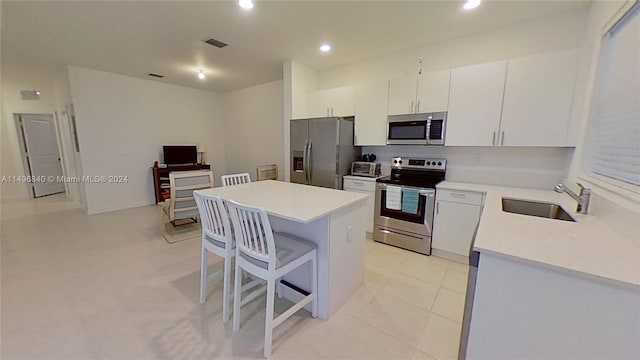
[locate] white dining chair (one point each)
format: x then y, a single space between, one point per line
182 184
235 179
217 238
269 256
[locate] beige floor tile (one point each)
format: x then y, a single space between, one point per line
455 280
458 266
426 268
419 355
412 290
395 317
375 277
440 338
359 300
383 258
449 304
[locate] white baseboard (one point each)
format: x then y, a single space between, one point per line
94 211
450 256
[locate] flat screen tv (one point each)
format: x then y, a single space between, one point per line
180 155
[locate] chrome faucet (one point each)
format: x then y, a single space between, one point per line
582 199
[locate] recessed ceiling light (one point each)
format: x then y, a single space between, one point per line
246 4
325 47
471 4
201 75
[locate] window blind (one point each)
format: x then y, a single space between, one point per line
616 107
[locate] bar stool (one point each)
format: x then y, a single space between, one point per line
235 179
268 256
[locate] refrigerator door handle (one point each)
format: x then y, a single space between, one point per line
309 166
305 164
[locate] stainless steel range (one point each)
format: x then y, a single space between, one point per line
405 201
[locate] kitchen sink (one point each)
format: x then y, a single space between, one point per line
535 208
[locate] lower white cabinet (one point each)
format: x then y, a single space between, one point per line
456 217
366 186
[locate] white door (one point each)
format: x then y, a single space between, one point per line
371 114
402 95
475 104
41 145
433 91
537 99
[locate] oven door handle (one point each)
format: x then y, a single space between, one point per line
429 204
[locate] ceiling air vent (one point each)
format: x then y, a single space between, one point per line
156 75
30 94
216 43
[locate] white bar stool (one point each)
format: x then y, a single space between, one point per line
235 179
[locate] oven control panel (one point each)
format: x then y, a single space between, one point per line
417 163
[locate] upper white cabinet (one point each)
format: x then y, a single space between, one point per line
429 92
331 102
520 102
371 114
537 99
475 104
402 95
433 91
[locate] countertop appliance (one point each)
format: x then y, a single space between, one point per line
367 169
403 227
417 129
322 151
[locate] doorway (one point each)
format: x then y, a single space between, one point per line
40 153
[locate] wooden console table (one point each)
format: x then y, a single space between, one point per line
161 178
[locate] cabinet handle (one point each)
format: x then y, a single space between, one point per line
332 111
328 111
358 183
502 141
438 207
458 195
418 107
493 142
412 107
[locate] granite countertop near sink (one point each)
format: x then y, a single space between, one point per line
588 245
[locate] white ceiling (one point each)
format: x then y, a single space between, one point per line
136 38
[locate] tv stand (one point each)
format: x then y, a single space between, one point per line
161 178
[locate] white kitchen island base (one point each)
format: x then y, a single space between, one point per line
340 237
333 219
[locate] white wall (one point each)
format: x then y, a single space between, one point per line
254 128
12 103
539 168
537 36
123 123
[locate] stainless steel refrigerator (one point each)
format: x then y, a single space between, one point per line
322 151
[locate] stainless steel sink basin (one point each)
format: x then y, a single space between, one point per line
535 208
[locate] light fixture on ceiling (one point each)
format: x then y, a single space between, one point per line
246 4
38 92
325 47
201 75
471 4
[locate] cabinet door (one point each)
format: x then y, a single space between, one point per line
342 101
454 226
370 206
475 104
318 103
402 95
537 99
371 114
433 91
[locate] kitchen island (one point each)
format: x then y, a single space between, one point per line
333 219
549 288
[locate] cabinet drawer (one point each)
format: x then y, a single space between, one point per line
464 197
362 185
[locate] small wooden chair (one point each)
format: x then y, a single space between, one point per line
182 205
235 179
268 172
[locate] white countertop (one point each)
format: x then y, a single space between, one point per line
587 246
296 202
361 178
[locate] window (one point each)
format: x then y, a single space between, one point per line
613 145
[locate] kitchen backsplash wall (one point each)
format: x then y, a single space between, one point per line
539 168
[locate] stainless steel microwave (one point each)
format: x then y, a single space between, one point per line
417 129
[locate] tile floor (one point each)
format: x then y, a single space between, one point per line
108 286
